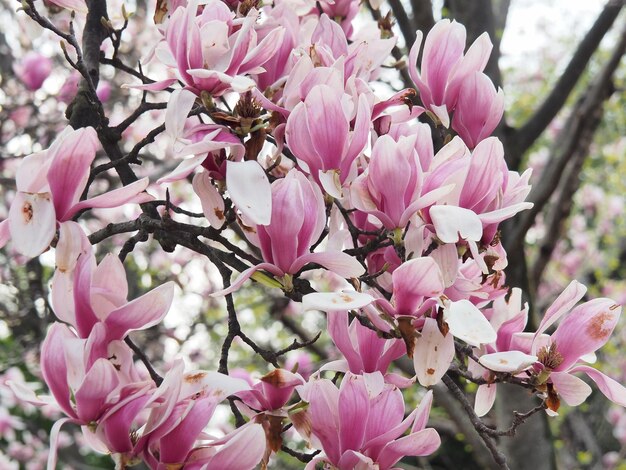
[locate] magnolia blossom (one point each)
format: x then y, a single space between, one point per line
297 221
361 424
33 69
391 187
215 52
49 188
319 134
478 109
444 66
585 329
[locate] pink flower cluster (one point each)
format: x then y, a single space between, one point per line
349 182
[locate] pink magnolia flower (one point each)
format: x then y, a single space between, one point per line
176 424
391 187
49 187
33 69
247 183
83 387
273 390
216 52
98 300
485 192
444 67
320 134
364 351
585 329
297 221
361 424
343 12
478 110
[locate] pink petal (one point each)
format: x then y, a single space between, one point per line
54 443
507 361
327 125
32 222
72 243
563 303
586 329
414 280
155 86
72 154
336 301
187 166
85 316
53 366
62 296
142 313
178 107
386 415
133 193
323 410
336 261
109 286
245 275
338 331
361 131
250 191
569 387
422 412
419 443
613 390
243 450
354 408
210 198
91 397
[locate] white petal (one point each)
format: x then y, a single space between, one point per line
178 107
485 397
32 222
334 301
250 190
507 361
331 183
468 323
210 198
433 354
451 222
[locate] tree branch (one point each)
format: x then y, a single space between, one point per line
569 142
537 123
407 28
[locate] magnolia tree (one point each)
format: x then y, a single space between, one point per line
319 181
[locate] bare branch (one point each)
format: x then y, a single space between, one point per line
537 123
568 143
407 28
